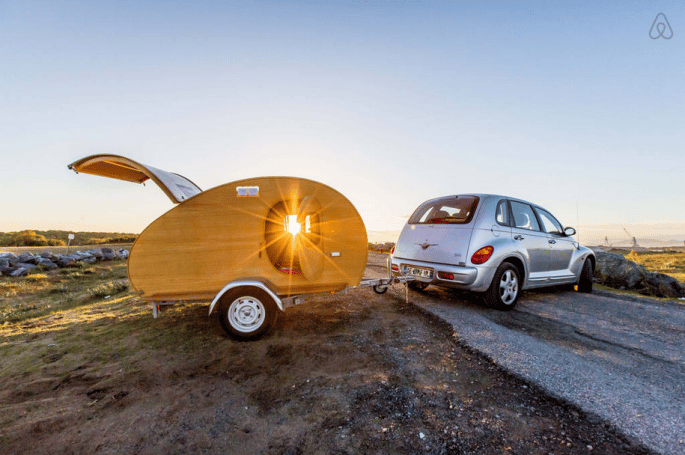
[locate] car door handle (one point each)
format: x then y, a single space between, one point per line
552 241
518 237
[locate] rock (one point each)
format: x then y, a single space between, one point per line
108 254
20 271
614 270
46 264
123 253
84 257
48 255
662 285
25 265
11 257
97 254
618 272
64 260
27 258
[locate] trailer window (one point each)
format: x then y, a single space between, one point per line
286 234
280 238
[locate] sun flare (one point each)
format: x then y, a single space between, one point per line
292 227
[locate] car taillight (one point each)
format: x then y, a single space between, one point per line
392 251
395 268
481 256
446 276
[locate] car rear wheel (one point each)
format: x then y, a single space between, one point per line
247 313
505 288
585 280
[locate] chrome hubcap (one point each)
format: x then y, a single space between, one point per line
246 314
508 287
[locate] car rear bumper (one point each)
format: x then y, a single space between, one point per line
470 278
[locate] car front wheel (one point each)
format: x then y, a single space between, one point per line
505 288
585 280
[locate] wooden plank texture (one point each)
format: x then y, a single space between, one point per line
217 236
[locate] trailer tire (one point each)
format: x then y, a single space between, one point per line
247 313
380 289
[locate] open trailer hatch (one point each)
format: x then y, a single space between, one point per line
176 187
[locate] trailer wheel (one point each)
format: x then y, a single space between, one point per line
246 313
380 289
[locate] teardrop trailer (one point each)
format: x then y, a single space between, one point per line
253 247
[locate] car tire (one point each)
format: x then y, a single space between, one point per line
505 288
418 285
585 280
247 313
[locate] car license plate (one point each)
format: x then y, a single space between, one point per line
418 271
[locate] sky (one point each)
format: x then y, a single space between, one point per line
571 105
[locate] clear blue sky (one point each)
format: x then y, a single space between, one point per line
390 102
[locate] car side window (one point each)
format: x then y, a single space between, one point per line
524 217
502 213
549 223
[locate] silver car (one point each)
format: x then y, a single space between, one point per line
495 245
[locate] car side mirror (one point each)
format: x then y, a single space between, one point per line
569 231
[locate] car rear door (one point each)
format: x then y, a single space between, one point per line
531 242
561 247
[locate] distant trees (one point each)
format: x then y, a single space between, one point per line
382 247
59 238
28 238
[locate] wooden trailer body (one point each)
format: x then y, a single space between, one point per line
220 236
285 235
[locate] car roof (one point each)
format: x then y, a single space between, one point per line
482 196
487 196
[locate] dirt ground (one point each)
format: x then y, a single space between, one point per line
355 373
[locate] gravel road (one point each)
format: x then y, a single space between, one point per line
620 358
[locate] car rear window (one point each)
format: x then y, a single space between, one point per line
448 210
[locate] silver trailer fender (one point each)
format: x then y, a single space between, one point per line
251 283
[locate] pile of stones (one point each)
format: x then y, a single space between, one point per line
618 272
26 263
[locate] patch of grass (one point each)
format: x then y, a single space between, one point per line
629 293
56 323
36 277
108 289
45 294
